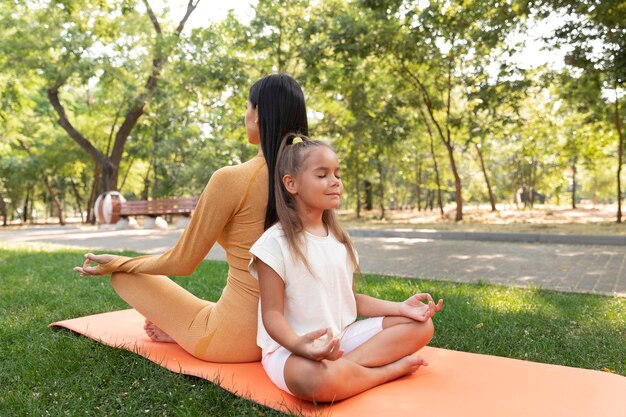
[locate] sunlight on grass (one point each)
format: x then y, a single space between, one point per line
43 371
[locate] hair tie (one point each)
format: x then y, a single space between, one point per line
294 138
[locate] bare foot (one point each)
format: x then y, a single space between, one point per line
404 366
156 334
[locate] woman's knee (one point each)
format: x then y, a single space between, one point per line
123 282
117 278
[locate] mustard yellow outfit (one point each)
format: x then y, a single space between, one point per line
231 211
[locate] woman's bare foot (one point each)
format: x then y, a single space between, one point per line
156 334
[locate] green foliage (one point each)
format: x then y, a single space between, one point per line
396 86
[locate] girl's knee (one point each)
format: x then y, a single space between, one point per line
314 384
428 329
420 332
408 323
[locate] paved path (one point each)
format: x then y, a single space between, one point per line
575 267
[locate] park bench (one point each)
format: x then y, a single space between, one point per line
154 208
182 206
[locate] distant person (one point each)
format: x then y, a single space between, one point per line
233 210
312 346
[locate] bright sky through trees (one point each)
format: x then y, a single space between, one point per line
533 55
208 10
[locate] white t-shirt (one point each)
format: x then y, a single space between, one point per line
311 302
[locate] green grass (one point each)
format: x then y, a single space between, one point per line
46 371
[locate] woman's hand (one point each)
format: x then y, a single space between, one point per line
310 346
414 307
92 271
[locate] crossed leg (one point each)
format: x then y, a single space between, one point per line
218 332
384 357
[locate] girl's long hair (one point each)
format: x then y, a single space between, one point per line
280 103
291 159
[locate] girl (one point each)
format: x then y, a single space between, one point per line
312 346
233 210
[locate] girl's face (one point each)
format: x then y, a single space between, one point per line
318 184
252 124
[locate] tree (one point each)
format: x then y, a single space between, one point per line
494 104
596 34
277 35
79 47
431 46
337 80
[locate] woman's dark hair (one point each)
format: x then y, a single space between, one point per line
280 103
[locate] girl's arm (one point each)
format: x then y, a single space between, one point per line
272 295
413 307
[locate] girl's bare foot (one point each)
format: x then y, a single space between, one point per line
156 334
404 366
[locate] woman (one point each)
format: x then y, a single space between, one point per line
234 209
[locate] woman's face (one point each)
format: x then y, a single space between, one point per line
252 124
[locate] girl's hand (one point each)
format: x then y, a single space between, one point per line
312 347
92 271
414 307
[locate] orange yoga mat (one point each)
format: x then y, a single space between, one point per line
455 384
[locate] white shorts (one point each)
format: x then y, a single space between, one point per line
354 336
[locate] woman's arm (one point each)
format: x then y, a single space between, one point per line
215 207
413 307
272 295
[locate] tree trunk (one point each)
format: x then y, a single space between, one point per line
447 137
574 160
418 185
450 147
437 179
435 165
620 157
457 184
91 215
130 165
55 200
358 189
147 183
3 209
533 182
358 197
520 194
109 177
431 200
31 209
492 200
25 207
381 188
78 199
